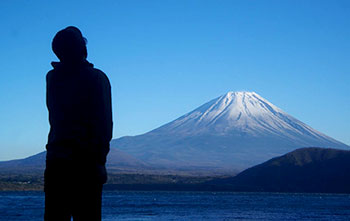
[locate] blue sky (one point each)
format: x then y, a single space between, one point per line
165 58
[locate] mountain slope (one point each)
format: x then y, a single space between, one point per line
234 131
116 160
303 170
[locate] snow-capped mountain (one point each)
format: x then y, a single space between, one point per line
233 131
245 113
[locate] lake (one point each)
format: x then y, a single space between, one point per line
137 205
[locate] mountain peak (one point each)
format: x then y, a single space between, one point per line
238 111
245 100
232 94
244 113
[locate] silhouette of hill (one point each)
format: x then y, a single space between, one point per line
33 163
116 160
303 170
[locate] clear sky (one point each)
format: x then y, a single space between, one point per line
165 58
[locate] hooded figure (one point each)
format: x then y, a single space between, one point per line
78 98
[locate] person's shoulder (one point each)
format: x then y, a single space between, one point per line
50 74
56 67
100 75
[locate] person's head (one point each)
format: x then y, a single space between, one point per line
69 45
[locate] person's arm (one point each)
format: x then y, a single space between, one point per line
104 123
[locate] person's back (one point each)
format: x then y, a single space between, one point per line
80 116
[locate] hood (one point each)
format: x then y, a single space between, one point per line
57 65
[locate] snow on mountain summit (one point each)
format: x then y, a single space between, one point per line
236 106
242 113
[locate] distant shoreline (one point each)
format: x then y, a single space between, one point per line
170 188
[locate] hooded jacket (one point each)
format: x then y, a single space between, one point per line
78 98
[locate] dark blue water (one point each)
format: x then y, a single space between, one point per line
192 206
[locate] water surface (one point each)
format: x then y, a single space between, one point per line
136 205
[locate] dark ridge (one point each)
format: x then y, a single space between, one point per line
312 170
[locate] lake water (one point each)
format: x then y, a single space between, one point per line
135 205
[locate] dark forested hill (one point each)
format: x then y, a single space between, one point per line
302 170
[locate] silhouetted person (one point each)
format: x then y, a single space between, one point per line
80 115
